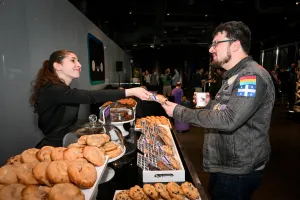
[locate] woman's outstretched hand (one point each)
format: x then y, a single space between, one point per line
138 92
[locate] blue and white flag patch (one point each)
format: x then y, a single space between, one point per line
246 90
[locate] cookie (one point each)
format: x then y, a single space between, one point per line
122 196
76 145
57 153
25 175
29 156
8 175
114 153
190 191
167 149
174 163
162 190
33 192
96 140
14 159
82 140
162 166
39 173
65 191
1 186
150 191
12 192
73 153
57 172
109 146
137 193
175 191
82 174
167 140
94 155
44 153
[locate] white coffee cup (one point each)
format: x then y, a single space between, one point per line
201 97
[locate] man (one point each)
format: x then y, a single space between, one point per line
175 78
236 144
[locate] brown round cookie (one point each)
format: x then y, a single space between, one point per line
8 175
73 153
33 192
12 192
1 186
175 191
96 140
29 156
57 172
14 159
44 153
150 191
82 140
109 146
137 193
25 175
94 155
65 191
167 140
114 153
79 160
174 163
162 190
57 153
76 145
106 137
82 174
167 149
39 173
190 191
123 195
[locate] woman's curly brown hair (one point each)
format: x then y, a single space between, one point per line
46 75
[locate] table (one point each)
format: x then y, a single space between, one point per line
127 174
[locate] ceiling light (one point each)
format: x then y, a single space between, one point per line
130 12
297 3
135 45
162 45
152 45
165 31
285 18
168 14
206 15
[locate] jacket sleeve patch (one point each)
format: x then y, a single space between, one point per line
247 86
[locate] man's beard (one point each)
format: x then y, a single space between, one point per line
219 64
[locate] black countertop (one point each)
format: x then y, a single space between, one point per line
127 174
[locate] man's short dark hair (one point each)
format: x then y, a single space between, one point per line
236 30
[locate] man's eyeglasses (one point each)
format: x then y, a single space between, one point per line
215 43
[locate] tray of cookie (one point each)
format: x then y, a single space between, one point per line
170 190
153 121
159 157
53 173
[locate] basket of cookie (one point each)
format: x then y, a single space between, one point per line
170 190
158 157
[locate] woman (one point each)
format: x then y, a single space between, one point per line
57 104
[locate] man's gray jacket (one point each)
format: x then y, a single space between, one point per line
237 122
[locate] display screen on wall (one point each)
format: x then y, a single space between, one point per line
96 60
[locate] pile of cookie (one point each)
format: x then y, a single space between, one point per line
56 172
152 121
168 191
128 102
